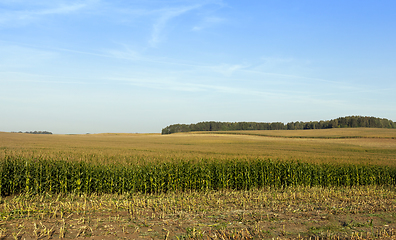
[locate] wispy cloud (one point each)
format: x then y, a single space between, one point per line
126 53
177 85
25 77
178 70
208 22
18 13
165 15
227 69
14 56
62 9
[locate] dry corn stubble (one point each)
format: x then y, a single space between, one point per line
328 213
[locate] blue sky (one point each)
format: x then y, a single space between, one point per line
137 66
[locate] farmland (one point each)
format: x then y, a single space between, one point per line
368 145
257 211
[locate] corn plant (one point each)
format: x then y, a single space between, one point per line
37 175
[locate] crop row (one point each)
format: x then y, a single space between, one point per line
36 175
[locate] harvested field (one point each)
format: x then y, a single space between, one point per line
290 213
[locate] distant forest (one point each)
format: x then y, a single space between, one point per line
341 122
36 132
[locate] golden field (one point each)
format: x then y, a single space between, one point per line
350 145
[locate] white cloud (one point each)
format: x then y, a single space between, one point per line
176 85
125 53
17 56
23 12
165 15
227 69
208 22
63 9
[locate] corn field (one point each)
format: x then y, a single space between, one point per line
38 175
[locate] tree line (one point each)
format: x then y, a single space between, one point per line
341 122
35 132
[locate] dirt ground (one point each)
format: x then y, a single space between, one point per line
293 213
